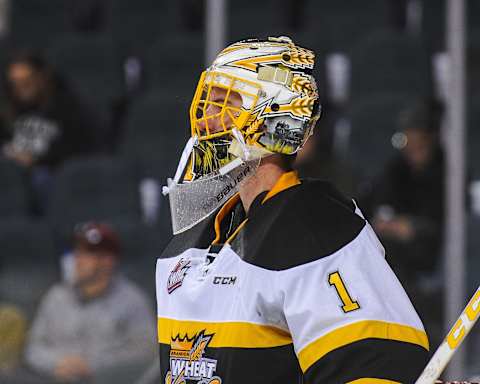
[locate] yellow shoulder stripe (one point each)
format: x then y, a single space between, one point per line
359 331
371 380
226 208
287 180
226 334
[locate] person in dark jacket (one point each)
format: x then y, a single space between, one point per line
41 123
408 211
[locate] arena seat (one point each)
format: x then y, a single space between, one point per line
264 19
433 24
93 67
175 62
340 29
14 200
156 131
390 62
96 188
28 262
92 64
136 24
373 122
35 22
141 246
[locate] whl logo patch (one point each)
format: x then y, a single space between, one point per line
175 280
188 363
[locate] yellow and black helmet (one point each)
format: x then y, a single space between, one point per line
262 90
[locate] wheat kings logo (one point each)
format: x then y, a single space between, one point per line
175 280
187 361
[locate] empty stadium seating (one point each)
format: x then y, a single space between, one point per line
141 246
156 131
35 22
93 67
97 188
175 62
256 19
390 62
28 262
92 64
340 29
373 122
433 24
136 24
14 197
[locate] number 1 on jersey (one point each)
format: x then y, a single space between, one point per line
335 280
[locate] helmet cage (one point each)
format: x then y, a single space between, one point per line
206 111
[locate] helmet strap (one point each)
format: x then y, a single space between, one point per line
241 140
187 151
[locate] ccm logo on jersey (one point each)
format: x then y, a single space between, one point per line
178 273
224 280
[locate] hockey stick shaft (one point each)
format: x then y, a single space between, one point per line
450 344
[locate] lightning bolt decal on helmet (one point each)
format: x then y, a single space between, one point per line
257 98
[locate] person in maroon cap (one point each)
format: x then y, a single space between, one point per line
97 249
99 326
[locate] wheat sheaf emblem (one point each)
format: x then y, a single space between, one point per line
302 84
303 57
302 107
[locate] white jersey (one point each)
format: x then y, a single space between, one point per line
301 299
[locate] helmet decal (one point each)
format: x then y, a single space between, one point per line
303 84
291 55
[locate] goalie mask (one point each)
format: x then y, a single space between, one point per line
256 99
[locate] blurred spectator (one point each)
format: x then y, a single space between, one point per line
13 325
407 201
97 327
406 208
41 123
